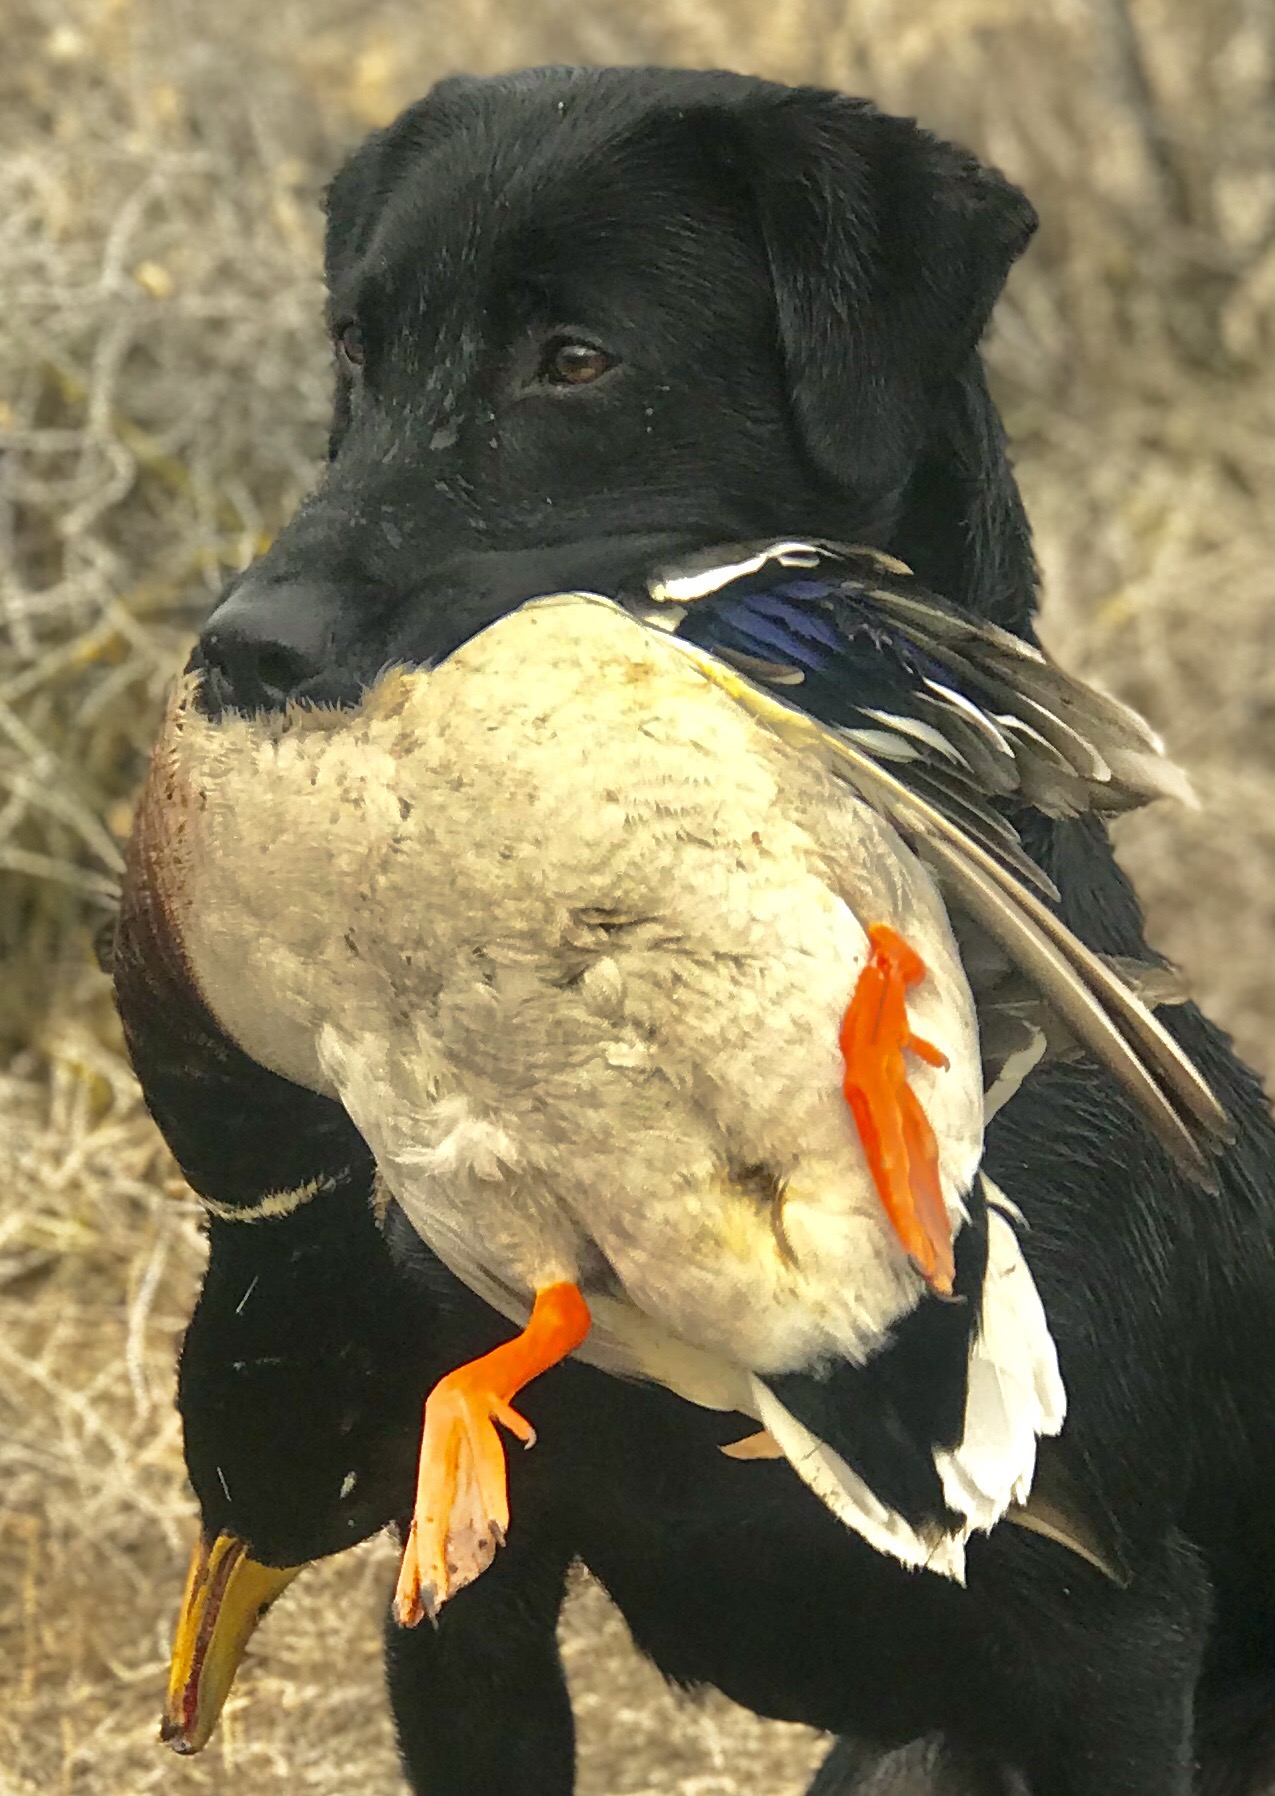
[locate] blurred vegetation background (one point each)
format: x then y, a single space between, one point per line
163 391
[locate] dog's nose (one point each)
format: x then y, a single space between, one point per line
266 643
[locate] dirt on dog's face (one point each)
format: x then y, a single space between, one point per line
586 319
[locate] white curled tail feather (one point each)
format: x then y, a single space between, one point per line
1015 1389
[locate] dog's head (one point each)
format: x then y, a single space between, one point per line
584 319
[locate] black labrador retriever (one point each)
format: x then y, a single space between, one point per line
584 320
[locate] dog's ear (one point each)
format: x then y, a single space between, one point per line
356 194
888 249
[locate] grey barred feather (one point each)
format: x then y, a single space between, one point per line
771 673
984 825
1117 760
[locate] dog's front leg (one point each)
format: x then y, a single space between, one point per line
480 1701
929 1767
1104 1679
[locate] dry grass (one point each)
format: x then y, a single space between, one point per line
162 394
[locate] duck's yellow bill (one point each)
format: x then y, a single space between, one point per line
227 1593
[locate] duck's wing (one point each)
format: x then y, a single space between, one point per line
975 714
945 725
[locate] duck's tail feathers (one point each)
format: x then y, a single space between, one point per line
851 1500
1015 1392
1015 1396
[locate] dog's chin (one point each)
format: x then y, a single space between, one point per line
215 697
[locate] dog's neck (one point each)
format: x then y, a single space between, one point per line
961 525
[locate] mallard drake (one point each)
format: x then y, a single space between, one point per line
650 946
302 1374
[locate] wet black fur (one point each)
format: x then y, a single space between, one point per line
794 286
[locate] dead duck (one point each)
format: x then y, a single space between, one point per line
625 886
316 1336
302 1373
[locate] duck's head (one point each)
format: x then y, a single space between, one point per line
300 1389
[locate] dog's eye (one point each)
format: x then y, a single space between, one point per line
349 344
569 362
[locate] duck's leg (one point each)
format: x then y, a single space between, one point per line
462 1497
895 1131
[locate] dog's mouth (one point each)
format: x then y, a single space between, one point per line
216 695
473 589
241 672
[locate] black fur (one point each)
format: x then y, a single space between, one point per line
794 286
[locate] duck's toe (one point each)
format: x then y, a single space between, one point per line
462 1493
897 1138
462 1496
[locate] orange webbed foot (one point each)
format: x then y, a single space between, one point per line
897 1139
462 1495
926 1050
